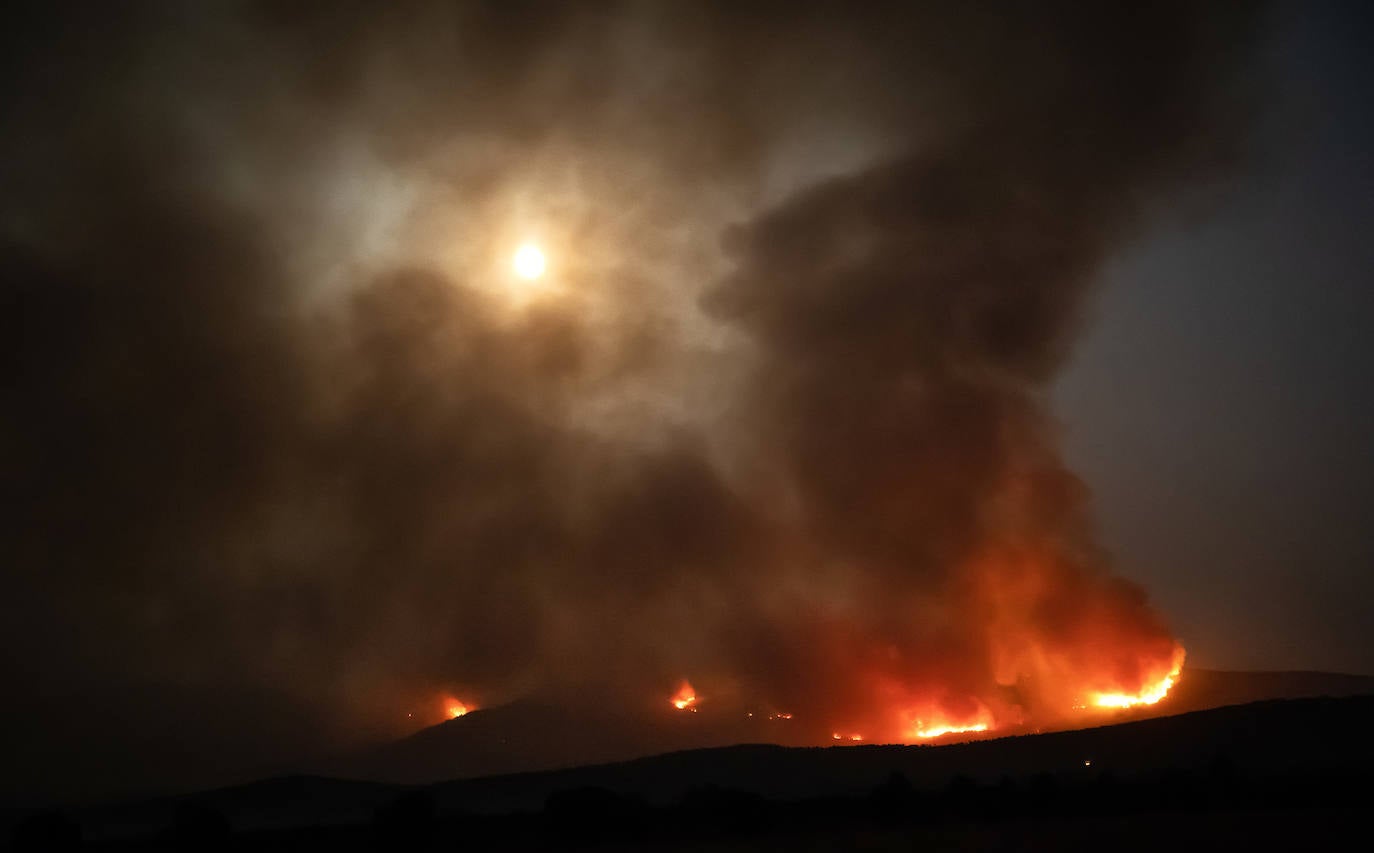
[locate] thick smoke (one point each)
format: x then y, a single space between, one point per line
280 428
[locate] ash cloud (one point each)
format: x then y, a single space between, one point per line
273 428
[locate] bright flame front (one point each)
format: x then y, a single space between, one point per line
1148 696
926 731
686 698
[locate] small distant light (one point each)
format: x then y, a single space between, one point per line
1087 764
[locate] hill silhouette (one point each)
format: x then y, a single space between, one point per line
1310 753
534 736
1264 738
1199 689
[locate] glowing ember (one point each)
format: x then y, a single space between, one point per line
685 698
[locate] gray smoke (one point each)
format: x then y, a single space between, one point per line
281 428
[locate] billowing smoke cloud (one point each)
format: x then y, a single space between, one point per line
280 422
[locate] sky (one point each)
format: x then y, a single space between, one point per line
900 366
1218 404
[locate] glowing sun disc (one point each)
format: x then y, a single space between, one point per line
529 262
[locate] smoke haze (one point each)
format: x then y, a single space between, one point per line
282 428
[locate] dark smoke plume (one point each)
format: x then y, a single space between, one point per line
279 431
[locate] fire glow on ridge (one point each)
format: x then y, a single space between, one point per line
685 699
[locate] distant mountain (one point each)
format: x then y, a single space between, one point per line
1199 689
530 736
518 738
1318 735
533 736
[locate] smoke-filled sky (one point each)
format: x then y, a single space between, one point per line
1219 401
786 414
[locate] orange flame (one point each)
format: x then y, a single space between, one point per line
1151 694
454 709
925 732
685 698
938 723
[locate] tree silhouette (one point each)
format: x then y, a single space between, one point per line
584 814
47 830
406 823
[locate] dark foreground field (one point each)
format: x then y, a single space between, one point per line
1277 774
834 825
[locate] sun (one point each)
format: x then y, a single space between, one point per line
529 262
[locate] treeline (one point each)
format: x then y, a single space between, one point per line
598 817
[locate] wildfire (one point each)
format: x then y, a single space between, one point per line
938 724
926 732
838 736
1148 696
685 698
454 709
